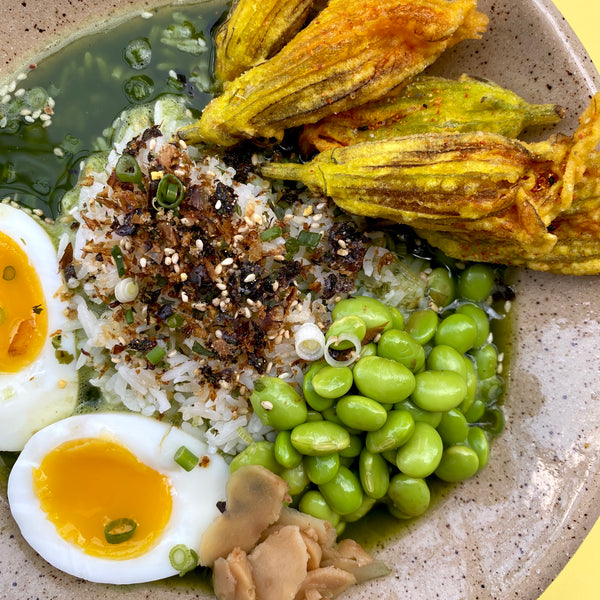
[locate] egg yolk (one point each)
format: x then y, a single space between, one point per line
83 485
23 315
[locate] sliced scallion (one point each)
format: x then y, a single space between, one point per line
271 234
155 355
117 255
129 316
200 349
185 458
120 530
183 559
170 192
309 342
128 170
175 321
309 238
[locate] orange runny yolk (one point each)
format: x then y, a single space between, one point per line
23 315
85 484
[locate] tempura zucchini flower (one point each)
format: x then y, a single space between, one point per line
477 196
254 31
353 52
427 104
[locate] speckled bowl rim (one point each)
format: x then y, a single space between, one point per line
508 532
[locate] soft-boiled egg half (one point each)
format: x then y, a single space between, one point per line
103 496
38 379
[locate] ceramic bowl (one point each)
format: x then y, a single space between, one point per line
507 532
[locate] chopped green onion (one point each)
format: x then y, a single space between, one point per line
175 321
129 316
183 559
63 357
270 234
309 238
170 191
126 290
57 342
128 170
155 355
245 435
200 349
185 458
120 530
291 246
9 273
37 309
117 255
309 342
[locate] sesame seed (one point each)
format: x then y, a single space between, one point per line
168 260
172 354
169 251
227 262
5 99
172 74
182 144
284 375
218 205
200 244
247 312
342 252
51 103
250 278
269 366
184 297
20 92
28 119
221 286
45 117
183 277
143 262
177 269
12 86
175 258
315 225
58 152
216 302
47 123
279 257
318 217
267 405
185 221
218 334
288 217
275 286
342 244
250 301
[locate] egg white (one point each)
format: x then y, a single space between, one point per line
194 494
45 390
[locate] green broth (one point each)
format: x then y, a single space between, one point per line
88 80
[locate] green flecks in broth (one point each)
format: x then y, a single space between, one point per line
60 112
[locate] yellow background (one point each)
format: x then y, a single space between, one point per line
580 579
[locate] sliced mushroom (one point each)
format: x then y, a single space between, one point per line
232 577
325 532
279 565
328 581
255 498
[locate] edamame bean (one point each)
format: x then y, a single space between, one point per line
360 412
491 389
422 325
421 455
258 453
397 318
296 478
350 324
321 469
476 282
481 321
354 448
277 403
418 414
477 439
383 379
486 360
396 431
331 415
374 474
313 415
285 453
368 350
319 438
439 391
458 463
476 411
313 503
401 347
453 427
441 286
332 382
493 421
374 313
363 509
471 379
343 493
409 495
446 358
458 331
313 399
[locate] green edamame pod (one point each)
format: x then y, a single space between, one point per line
277 403
439 391
332 382
321 469
349 324
257 453
457 330
409 495
453 427
285 453
383 379
477 439
403 348
343 493
422 325
446 358
374 474
360 412
421 455
397 430
486 361
374 313
319 438
314 503
313 399
296 478
418 414
458 463
481 319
